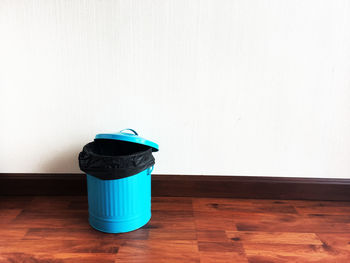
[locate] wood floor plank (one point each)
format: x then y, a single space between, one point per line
221 251
81 234
170 234
322 207
220 247
15 202
149 251
222 257
56 258
212 236
9 233
171 203
29 214
288 223
60 246
43 217
292 253
77 223
234 207
211 221
338 241
274 237
49 204
8 215
172 220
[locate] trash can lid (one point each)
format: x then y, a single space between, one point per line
128 137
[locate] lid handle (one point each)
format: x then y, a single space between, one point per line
135 133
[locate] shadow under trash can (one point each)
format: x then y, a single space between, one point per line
118 168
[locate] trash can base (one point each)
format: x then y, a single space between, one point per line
109 226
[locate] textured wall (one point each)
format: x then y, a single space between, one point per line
229 87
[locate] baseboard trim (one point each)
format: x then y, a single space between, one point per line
189 185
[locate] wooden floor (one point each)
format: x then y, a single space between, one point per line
55 229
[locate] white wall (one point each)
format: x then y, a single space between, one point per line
228 87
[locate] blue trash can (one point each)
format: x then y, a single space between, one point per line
118 168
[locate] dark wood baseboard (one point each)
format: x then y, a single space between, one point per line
189 185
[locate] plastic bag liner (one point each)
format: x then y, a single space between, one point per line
112 159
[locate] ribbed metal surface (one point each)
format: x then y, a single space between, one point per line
121 200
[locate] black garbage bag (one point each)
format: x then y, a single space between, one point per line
112 159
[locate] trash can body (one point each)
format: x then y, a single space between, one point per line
120 205
118 168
